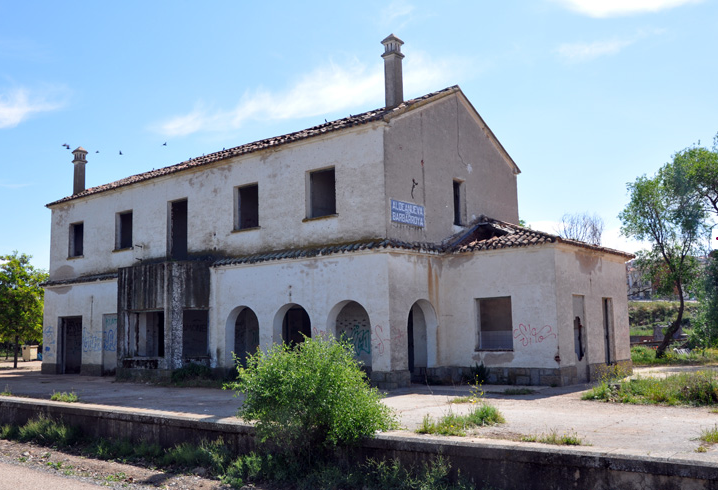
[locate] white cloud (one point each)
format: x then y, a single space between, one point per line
16 105
13 186
578 52
613 8
330 88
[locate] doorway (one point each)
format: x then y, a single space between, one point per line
71 345
296 326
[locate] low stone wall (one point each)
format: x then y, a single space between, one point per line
495 464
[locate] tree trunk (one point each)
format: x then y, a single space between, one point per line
17 344
661 349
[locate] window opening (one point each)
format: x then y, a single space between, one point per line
194 333
123 235
608 326
77 231
495 324
322 193
247 211
296 326
178 230
457 203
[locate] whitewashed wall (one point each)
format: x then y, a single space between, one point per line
90 301
322 286
281 174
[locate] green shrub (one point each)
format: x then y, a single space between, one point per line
452 424
214 456
553 437
700 388
310 398
710 435
65 397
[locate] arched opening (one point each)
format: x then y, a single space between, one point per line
246 335
353 324
296 325
416 334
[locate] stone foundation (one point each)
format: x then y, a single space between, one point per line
564 376
391 380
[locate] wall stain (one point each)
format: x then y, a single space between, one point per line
588 263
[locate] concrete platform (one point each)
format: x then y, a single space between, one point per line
654 434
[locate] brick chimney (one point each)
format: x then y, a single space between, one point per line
393 81
79 162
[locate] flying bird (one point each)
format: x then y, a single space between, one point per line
97 151
120 152
164 144
66 146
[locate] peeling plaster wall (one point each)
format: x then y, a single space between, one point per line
322 286
527 275
434 145
595 276
90 301
281 174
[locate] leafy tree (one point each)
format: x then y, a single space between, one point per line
310 398
582 227
21 300
695 169
673 221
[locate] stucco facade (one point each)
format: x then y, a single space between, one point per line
393 228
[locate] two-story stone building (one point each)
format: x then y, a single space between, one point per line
395 227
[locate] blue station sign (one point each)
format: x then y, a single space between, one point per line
407 213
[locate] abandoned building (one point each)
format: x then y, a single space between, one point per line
395 228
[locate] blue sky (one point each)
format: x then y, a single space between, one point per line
585 95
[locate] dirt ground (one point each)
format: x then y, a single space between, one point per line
106 473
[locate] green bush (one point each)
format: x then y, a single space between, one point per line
65 397
310 397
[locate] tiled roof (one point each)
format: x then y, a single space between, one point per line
491 234
485 234
82 279
273 142
298 253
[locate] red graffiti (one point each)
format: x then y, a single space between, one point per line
379 340
528 335
316 333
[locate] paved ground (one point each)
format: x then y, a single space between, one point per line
666 432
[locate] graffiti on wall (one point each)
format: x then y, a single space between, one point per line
91 342
48 335
360 339
109 333
529 335
379 340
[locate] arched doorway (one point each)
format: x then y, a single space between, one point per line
353 324
246 335
416 334
296 325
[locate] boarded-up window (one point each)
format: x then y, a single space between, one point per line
495 325
322 193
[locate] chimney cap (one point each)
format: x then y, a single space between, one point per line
390 38
79 148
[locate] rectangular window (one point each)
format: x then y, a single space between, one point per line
458 202
495 325
608 328
77 232
178 230
322 193
123 230
247 207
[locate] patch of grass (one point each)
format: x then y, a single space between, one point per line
698 389
213 456
452 424
519 391
701 449
645 356
65 397
9 432
6 392
553 437
49 432
116 477
710 435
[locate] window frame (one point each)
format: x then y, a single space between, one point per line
120 230
480 342
238 207
312 206
72 249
